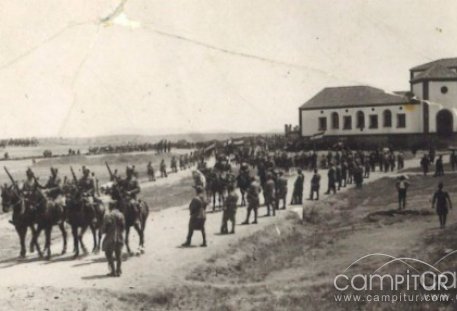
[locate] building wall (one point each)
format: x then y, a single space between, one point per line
414 121
417 89
434 108
449 99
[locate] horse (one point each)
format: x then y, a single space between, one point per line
49 213
83 214
135 213
243 182
23 218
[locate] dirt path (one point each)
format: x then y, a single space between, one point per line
164 263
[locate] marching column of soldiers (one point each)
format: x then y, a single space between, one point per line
344 167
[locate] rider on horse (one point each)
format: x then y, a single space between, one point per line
129 189
53 186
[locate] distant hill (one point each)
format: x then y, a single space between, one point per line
134 139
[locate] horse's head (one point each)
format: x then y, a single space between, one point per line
9 197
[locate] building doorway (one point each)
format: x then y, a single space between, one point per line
444 123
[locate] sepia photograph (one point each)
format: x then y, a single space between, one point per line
228 155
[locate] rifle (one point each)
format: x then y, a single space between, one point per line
74 176
111 175
13 181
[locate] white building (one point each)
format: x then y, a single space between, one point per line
428 111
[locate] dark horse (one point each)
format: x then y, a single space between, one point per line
243 182
135 212
83 214
216 185
23 218
48 214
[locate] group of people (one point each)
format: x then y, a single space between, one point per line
59 191
184 161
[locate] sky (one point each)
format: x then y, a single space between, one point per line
87 68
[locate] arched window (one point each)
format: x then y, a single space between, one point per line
387 117
335 121
360 120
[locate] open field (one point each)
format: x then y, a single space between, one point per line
96 163
283 263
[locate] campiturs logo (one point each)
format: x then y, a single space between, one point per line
412 280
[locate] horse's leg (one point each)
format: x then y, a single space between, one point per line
48 231
80 238
100 233
74 232
94 235
36 235
127 231
22 232
214 201
140 232
64 237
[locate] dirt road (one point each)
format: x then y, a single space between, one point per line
164 264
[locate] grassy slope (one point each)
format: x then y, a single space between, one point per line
291 266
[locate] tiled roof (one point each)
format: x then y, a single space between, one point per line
352 96
446 62
436 71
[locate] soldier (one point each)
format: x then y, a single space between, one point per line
86 183
442 201
297 196
197 220
315 185
113 242
424 164
344 173
331 180
400 160
402 187
439 169
253 200
338 175
269 195
358 175
30 188
367 168
229 210
282 190
54 185
163 169
151 172
181 163
174 165
453 159
130 187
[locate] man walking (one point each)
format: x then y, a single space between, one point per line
442 201
297 196
269 192
113 227
197 208
315 185
229 210
402 187
331 180
253 200
439 169
282 190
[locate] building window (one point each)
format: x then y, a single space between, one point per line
374 121
401 120
347 120
335 121
444 89
387 114
322 124
360 120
